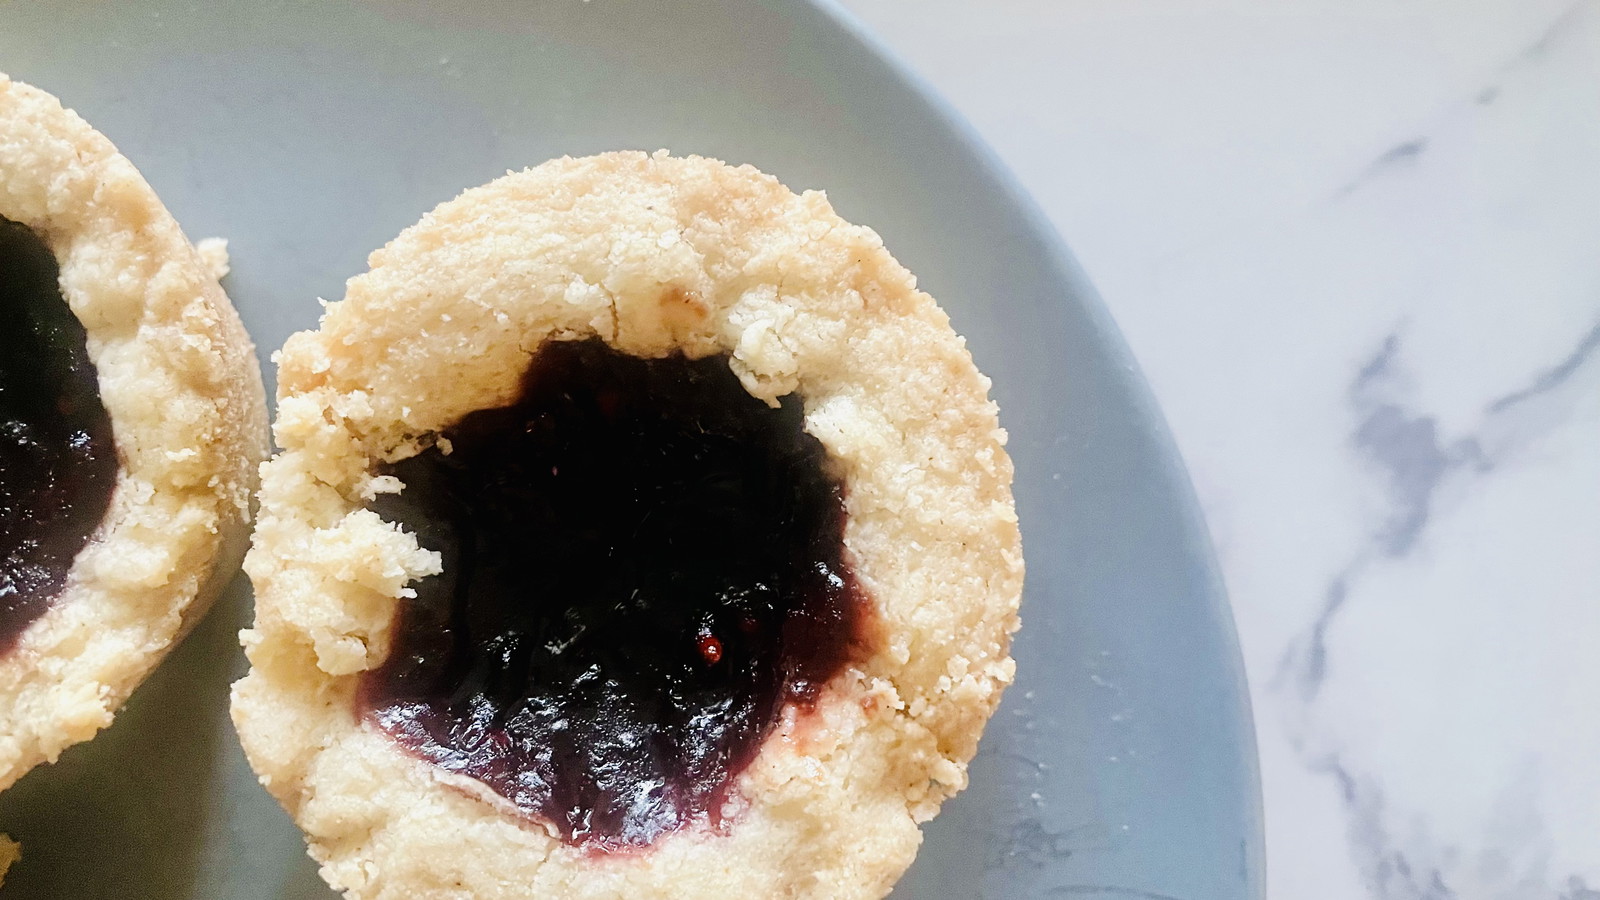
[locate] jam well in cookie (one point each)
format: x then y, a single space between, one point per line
58 463
642 565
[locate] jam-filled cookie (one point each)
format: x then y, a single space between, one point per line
131 423
639 531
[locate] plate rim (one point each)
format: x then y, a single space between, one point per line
1059 258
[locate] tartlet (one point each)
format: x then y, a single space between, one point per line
134 421
562 310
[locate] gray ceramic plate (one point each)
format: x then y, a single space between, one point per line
1121 764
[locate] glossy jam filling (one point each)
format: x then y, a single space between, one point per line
58 463
642 565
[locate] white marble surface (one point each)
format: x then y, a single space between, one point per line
1355 245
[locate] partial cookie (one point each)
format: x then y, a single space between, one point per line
132 420
639 531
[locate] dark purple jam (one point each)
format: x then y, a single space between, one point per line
58 462
642 565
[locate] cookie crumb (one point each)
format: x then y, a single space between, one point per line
213 253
